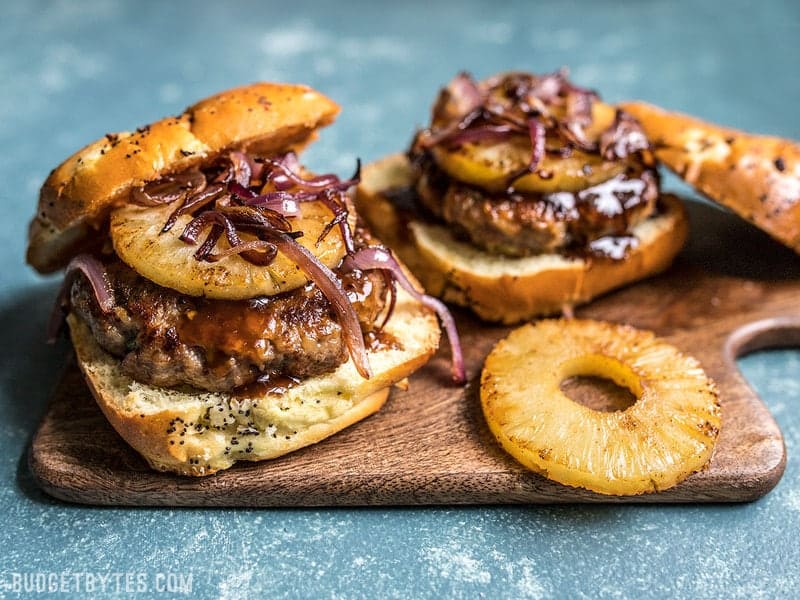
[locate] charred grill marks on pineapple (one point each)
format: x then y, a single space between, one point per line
667 434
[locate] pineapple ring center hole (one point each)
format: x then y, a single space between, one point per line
601 383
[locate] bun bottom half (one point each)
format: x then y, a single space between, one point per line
194 432
500 288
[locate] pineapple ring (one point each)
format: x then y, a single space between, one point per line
667 434
169 262
488 165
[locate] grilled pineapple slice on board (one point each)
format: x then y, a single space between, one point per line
489 165
667 434
164 259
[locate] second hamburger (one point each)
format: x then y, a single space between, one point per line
525 196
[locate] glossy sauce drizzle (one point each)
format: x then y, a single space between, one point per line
233 328
266 384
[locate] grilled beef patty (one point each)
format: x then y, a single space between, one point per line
519 224
167 339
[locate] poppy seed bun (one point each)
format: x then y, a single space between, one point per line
500 288
77 197
756 176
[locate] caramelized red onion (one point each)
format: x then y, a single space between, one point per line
332 288
195 202
548 88
482 133
242 169
95 273
233 186
443 135
623 138
518 104
281 202
536 133
168 189
227 220
464 96
286 178
229 205
376 257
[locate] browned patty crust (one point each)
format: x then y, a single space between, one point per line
168 339
518 224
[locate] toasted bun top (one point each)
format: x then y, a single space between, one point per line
75 200
756 176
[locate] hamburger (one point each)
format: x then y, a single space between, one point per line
525 196
224 302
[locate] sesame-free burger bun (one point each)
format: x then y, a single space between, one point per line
77 197
500 288
194 432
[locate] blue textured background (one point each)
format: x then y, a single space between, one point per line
72 71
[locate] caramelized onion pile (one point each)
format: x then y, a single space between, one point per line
516 104
230 198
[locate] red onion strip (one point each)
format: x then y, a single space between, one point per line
211 240
259 252
241 190
537 135
390 281
339 219
281 202
481 134
198 200
548 87
575 135
536 131
288 207
142 198
330 286
284 203
242 170
319 182
95 273
337 205
290 161
169 188
259 217
438 137
465 92
195 226
379 258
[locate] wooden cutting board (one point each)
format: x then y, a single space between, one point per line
732 291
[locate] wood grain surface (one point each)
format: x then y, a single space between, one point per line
731 291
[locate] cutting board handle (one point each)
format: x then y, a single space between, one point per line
775 332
